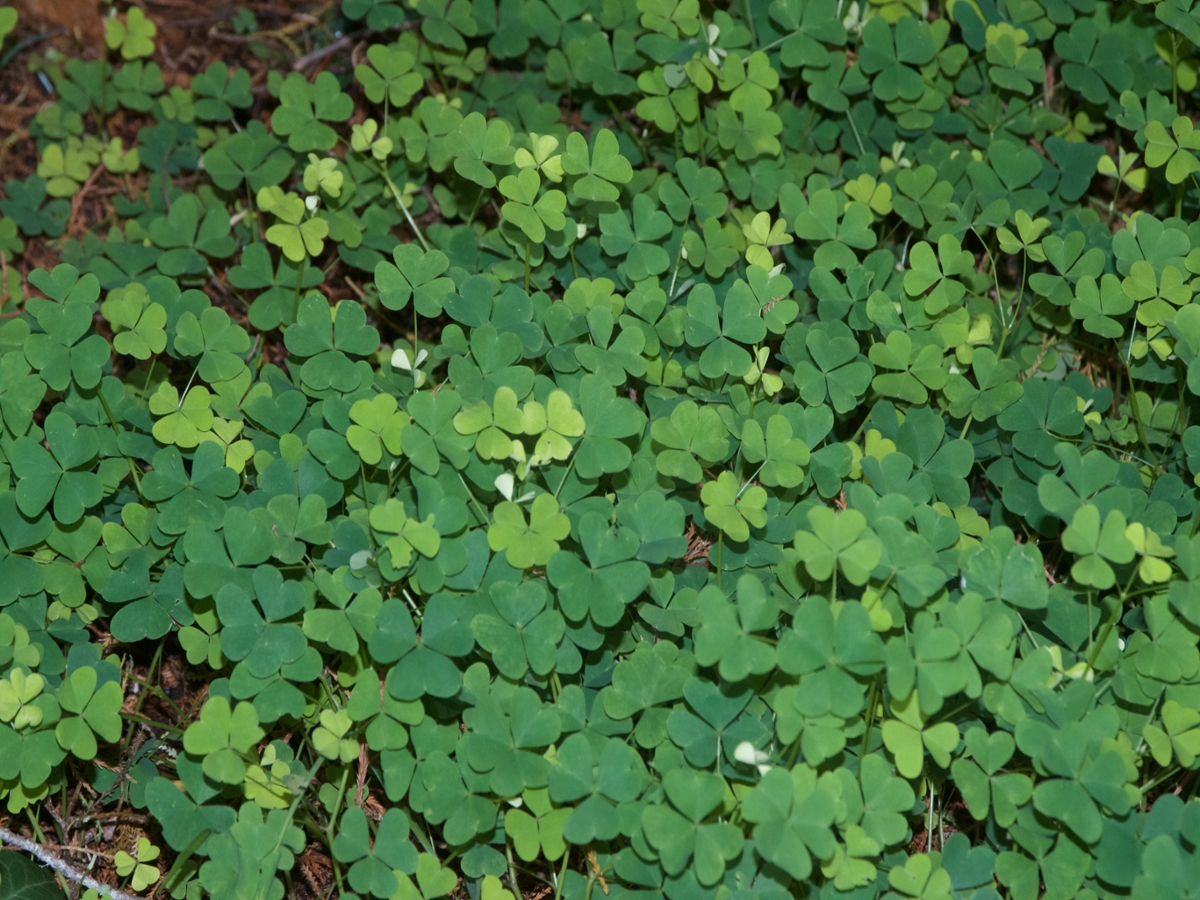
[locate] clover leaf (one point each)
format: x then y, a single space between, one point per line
414 275
995 387
920 197
222 735
528 543
727 633
305 109
478 142
95 711
780 455
909 737
537 828
373 864
66 351
835 541
830 654
134 37
1013 65
732 509
184 420
936 281
817 220
389 74
326 337
601 171
260 639
611 580
521 634
296 235
64 473
984 783
1173 150
252 155
218 342
66 168
138 866
221 91
691 435
533 215
697 193
792 816
679 831
643 256
915 367
377 423
406 534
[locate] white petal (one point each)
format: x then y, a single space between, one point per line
504 484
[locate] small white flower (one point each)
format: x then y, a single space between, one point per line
853 21
747 754
504 484
400 361
312 201
715 53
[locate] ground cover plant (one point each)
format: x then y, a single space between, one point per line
649 448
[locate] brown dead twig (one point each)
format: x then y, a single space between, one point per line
697 549
77 200
61 866
591 855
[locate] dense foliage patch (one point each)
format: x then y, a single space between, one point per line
756 460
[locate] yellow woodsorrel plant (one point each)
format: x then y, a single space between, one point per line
751 455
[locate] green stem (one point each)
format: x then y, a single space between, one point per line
628 130
137 479
1163 776
854 128
562 873
182 858
299 285
475 208
149 374
527 246
28 42
483 516
252 210
720 550
872 702
130 717
750 480
780 42
403 208
1008 326
1108 627
1174 70
337 805
750 24
362 471
512 869
566 475
675 274
1133 409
